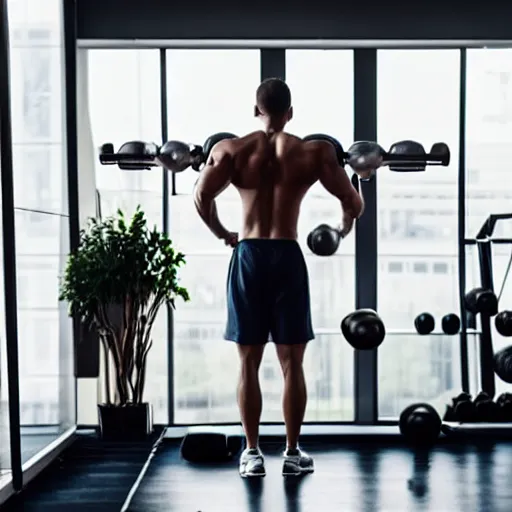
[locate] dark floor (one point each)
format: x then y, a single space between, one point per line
90 476
351 478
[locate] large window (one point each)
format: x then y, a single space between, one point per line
124 105
323 98
197 108
42 224
488 155
418 99
204 390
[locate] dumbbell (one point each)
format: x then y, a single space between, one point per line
464 408
366 156
363 329
175 156
403 156
207 447
504 402
132 156
486 411
324 240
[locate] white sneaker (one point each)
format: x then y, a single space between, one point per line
297 462
252 463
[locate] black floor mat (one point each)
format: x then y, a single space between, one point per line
91 475
351 478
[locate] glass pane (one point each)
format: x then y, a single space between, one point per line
488 135
203 100
46 368
201 356
424 370
322 86
417 237
45 343
488 154
199 343
5 442
125 106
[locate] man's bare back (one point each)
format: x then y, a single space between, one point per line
272 173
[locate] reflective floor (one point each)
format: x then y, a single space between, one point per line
355 477
351 476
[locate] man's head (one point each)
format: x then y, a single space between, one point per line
273 104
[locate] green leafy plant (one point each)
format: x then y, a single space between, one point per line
116 281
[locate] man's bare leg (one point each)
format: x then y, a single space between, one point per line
296 462
249 392
291 358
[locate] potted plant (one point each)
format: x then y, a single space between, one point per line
115 282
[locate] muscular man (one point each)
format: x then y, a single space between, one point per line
268 285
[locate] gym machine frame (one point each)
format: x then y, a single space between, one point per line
483 242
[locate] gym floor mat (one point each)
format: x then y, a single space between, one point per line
91 475
351 477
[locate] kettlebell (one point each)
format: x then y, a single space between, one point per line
324 240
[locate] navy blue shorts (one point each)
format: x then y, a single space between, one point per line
268 294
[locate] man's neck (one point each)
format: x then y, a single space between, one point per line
270 131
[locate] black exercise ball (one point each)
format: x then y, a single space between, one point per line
363 329
503 323
424 323
450 324
420 424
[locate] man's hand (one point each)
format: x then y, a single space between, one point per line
231 239
347 224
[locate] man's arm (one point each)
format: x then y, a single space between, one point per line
213 179
336 181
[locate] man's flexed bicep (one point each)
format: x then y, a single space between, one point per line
336 181
214 178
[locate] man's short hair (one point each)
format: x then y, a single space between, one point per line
273 97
